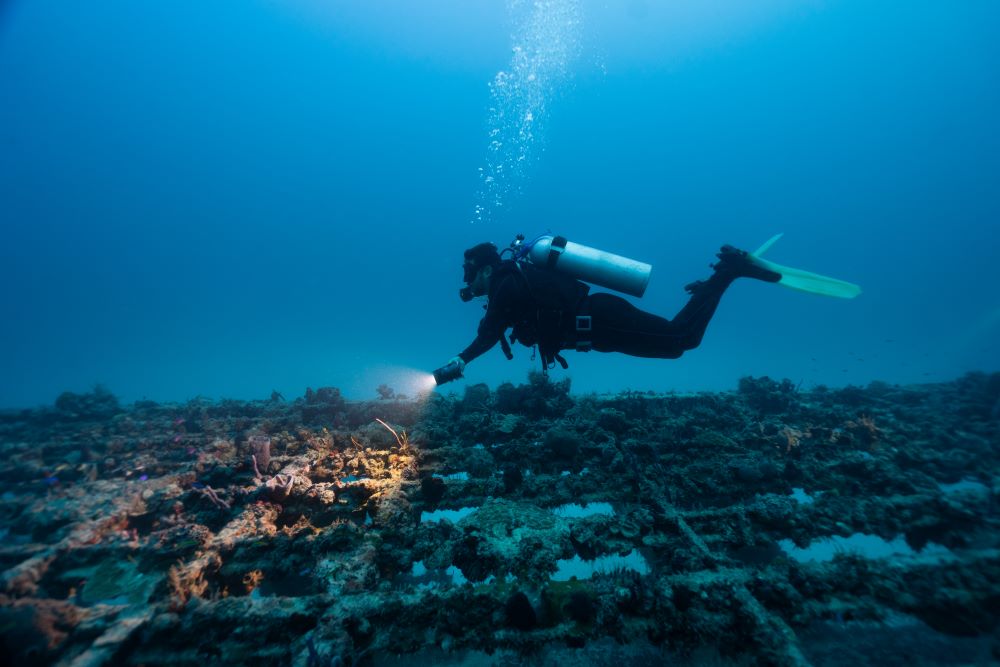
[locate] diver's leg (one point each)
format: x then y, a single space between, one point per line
618 326
694 317
706 294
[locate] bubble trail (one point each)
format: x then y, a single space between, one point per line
545 41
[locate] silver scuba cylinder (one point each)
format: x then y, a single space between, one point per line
591 265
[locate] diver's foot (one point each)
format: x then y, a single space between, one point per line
739 264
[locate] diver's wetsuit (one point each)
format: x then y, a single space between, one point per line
617 325
509 303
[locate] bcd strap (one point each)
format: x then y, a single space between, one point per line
556 248
505 346
550 360
584 327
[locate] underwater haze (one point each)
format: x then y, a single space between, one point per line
232 198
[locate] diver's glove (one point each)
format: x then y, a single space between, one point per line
450 371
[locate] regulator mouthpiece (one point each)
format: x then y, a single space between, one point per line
447 373
465 294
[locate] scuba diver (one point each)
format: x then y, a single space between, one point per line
541 295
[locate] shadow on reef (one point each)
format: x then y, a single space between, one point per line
520 525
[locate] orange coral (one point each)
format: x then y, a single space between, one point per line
794 437
252 579
865 430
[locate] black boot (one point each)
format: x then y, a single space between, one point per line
738 264
733 263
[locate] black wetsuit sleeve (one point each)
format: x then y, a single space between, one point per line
500 314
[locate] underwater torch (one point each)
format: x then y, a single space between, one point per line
450 371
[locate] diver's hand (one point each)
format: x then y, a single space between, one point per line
452 370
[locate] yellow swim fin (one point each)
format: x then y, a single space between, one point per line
804 281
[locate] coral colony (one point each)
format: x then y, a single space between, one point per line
521 525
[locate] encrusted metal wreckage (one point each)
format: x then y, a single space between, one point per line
520 525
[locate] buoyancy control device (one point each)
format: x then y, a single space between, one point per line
561 319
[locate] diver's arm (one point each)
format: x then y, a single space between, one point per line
495 322
485 340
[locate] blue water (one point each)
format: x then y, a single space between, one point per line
235 197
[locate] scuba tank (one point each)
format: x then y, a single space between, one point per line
585 263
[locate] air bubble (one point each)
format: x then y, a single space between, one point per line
545 41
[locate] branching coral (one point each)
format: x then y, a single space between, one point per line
793 437
188 581
403 440
211 494
865 429
280 486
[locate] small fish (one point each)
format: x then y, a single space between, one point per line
51 480
177 438
198 485
144 478
179 421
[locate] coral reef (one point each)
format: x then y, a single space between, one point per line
521 525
